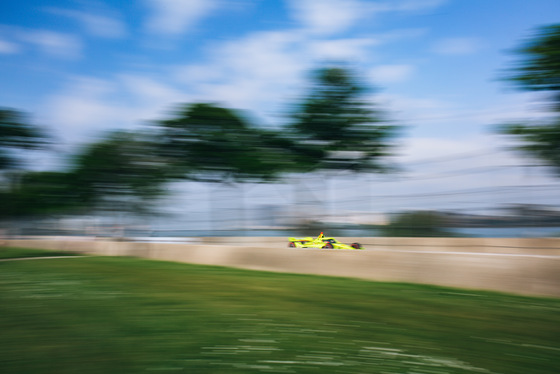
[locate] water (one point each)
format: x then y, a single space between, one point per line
508 232
476 232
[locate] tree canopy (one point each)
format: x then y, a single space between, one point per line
121 170
416 224
334 127
206 142
17 133
539 67
338 126
43 193
539 70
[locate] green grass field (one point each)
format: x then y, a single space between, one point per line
8 253
126 315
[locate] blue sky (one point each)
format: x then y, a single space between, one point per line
83 67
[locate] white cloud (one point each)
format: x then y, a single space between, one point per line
422 148
264 70
82 111
424 109
327 16
456 46
54 43
416 5
449 164
391 73
342 49
194 74
87 107
324 17
82 105
255 73
434 112
172 17
149 93
251 73
259 72
7 47
451 171
96 23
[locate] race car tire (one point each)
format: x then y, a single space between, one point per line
328 245
291 245
356 245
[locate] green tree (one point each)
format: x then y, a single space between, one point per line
539 67
539 140
17 134
119 172
205 142
416 224
338 127
43 193
539 70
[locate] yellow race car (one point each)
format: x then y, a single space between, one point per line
321 242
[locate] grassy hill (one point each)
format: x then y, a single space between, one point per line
125 315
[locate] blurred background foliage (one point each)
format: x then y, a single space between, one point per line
538 69
17 134
416 224
335 126
205 142
344 130
332 127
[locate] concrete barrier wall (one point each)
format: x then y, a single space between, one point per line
491 245
523 266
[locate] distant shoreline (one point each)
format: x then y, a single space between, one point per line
475 232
